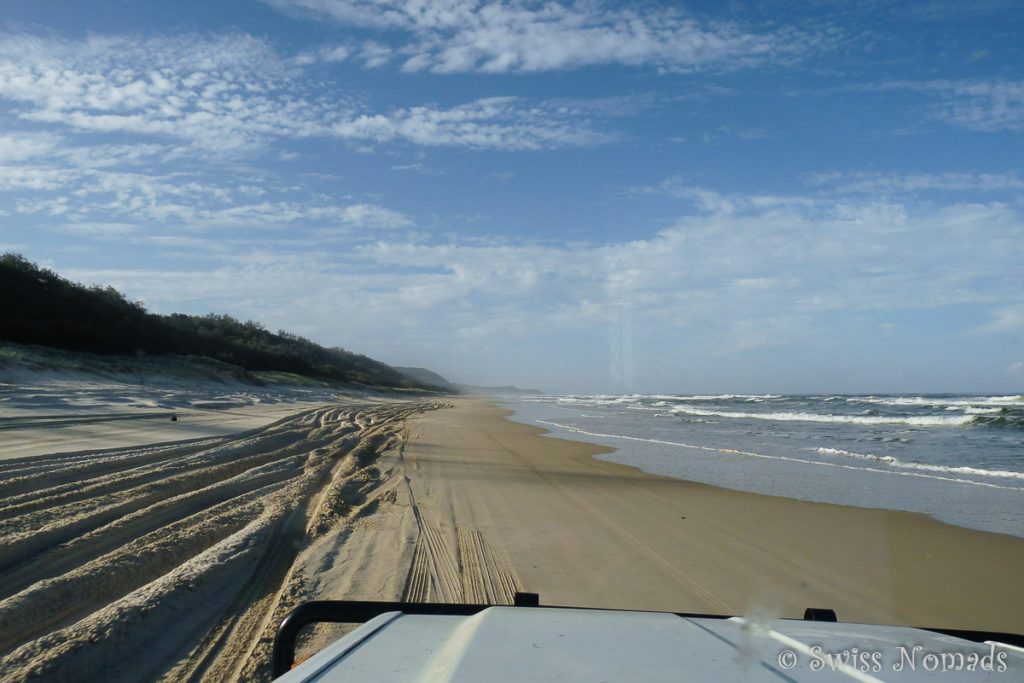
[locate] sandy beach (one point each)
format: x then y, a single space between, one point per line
192 552
44 412
581 531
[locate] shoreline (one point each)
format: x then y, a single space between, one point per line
693 547
977 505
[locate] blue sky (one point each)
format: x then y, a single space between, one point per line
580 196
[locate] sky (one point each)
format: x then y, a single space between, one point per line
680 197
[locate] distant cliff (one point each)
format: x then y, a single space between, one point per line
430 377
498 391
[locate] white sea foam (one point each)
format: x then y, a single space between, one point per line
895 462
606 399
915 421
862 456
724 397
975 471
959 401
592 400
732 451
1014 400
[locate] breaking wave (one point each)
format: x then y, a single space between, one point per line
916 421
916 469
943 469
911 411
938 401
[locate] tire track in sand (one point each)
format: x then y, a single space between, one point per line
699 592
160 550
474 573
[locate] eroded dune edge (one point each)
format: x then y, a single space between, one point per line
177 561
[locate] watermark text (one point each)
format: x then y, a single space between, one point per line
902 658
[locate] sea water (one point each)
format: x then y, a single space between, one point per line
959 459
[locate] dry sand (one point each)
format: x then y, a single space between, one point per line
182 553
61 411
187 554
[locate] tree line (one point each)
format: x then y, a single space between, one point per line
38 306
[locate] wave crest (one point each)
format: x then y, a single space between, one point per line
915 421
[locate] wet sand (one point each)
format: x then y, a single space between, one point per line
581 531
191 552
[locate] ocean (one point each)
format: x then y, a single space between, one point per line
957 458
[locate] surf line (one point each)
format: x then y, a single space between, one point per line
733 451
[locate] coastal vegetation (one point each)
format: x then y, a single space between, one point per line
39 307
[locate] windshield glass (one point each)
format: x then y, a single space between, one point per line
697 307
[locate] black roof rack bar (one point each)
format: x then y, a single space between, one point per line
819 614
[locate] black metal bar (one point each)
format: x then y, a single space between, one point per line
526 600
819 614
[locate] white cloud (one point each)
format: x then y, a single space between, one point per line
368 14
418 167
110 229
33 178
374 54
790 263
93 197
26 146
1005 319
897 183
987 106
339 53
217 92
709 201
732 133
525 35
369 215
717 282
234 94
504 123
149 130
50 207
